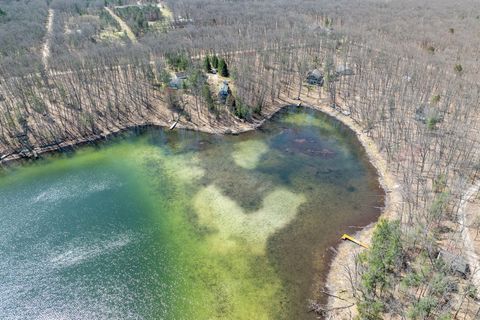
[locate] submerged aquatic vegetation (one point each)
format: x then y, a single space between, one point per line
247 154
233 224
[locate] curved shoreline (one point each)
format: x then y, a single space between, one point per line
336 281
341 302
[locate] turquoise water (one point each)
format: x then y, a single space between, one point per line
183 225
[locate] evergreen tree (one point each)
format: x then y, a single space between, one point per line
223 68
214 61
207 95
230 102
207 65
182 63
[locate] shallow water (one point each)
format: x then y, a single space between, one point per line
183 225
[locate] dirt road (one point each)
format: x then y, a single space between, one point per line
48 38
123 25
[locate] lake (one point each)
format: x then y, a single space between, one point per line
184 225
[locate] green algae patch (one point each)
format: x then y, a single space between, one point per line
247 154
235 226
302 119
57 165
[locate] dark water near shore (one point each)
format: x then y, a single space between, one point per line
184 225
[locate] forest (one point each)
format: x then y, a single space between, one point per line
407 72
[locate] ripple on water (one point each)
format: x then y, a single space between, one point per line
75 186
80 250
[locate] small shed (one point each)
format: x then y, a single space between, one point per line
315 77
455 262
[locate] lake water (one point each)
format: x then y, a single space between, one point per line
184 225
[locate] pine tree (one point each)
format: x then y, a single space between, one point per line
214 61
183 63
230 102
207 95
223 68
207 65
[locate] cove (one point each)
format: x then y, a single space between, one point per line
184 225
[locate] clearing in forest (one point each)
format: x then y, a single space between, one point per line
123 25
166 12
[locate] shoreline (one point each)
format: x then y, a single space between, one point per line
336 282
238 127
70 144
341 302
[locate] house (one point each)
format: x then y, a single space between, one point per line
224 91
315 77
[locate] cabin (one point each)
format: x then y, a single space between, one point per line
455 262
315 77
